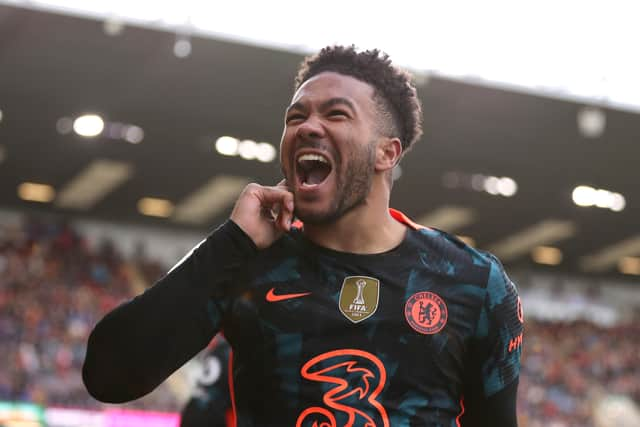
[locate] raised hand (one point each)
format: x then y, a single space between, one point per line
264 213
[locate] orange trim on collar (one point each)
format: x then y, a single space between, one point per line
396 214
399 216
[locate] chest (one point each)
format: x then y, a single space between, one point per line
387 308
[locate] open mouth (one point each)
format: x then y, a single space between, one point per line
312 169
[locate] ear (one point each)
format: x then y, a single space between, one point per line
388 153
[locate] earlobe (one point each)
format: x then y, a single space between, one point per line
388 154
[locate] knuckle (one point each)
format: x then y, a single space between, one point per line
252 188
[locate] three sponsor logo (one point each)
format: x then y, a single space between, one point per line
352 380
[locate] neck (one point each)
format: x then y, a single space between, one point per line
366 229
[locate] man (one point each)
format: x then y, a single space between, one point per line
357 317
210 402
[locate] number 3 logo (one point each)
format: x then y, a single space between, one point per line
353 373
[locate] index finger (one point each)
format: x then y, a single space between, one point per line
277 195
283 184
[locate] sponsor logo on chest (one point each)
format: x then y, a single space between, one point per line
359 297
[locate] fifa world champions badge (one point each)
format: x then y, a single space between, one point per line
426 313
359 297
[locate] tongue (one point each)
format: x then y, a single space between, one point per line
316 176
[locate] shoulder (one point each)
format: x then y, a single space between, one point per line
279 261
447 255
499 286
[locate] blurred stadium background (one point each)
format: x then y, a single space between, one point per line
128 129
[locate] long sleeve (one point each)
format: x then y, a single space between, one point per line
138 345
500 408
494 360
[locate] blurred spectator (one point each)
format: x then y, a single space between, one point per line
53 289
566 367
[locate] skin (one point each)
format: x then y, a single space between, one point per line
334 115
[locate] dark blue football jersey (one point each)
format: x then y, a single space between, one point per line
426 334
400 338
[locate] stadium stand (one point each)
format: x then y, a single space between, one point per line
53 289
567 367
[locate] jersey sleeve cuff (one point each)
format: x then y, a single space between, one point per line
241 240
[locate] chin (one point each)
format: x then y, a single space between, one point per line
327 216
317 216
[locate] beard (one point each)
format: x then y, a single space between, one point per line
352 188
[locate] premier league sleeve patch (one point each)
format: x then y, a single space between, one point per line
426 313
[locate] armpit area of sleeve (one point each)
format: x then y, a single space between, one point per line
497 375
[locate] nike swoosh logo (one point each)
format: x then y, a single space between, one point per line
272 297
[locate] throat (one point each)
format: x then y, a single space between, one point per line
313 173
358 234
316 176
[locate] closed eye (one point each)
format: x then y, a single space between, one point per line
293 117
338 113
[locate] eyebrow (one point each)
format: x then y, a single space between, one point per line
338 101
295 106
325 105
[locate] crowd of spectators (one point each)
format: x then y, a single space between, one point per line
568 367
54 288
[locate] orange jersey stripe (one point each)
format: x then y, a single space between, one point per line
232 419
461 412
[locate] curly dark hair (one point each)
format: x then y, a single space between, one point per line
394 94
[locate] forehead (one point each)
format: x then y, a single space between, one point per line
328 84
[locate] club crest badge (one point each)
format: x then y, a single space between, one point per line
426 313
359 297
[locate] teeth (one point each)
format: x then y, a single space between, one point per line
315 157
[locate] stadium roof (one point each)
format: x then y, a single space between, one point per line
166 98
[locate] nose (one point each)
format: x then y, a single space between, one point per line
310 129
